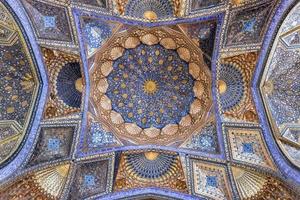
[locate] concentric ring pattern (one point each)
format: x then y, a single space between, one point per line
235 86
163 165
66 84
151 86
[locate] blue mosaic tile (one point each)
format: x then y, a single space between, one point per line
206 140
97 3
151 169
137 8
248 26
204 33
53 144
65 84
100 137
49 21
284 99
204 4
17 82
211 181
89 180
96 32
248 148
234 80
151 86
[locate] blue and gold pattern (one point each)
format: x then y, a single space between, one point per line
150 168
234 86
150 86
51 22
280 87
95 3
156 134
247 145
158 8
53 143
100 137
69 84
150 165
90 179
259 186
203 34
66 83
197 5
19 84
209 180
248 25
96 32
44 183
97 138
205 140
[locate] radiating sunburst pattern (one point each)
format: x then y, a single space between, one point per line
151 86
150 168
69 84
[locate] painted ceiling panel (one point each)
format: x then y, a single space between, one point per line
144 99
19 82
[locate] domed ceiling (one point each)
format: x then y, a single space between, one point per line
149 99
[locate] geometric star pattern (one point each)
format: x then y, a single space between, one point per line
133 99
247 145
210 180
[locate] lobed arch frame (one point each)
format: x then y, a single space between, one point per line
19 157
288 170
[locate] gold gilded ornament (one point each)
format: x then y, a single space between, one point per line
150 86
170 129
106 68
116 118
105 102
151 155
149 39
186 121
102 85
116 52
168 43
195 107
150 15
132 42
152 132
132 128
194 70
184 54
79 85
198 89
222 86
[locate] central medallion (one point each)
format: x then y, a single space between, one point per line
150 86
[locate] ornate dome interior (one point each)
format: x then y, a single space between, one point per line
149 99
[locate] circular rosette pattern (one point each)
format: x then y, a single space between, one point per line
151 165
69 84
231 86
150 86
